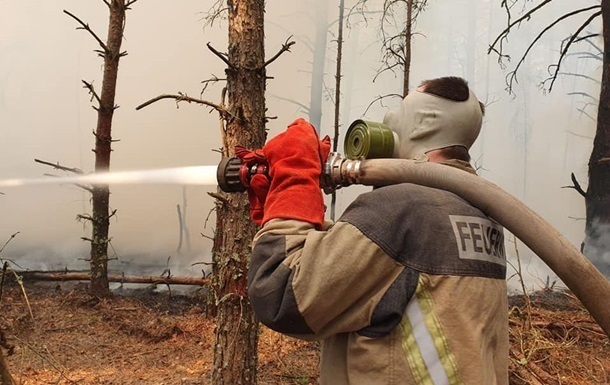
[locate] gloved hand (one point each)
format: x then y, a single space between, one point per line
296 158
259 183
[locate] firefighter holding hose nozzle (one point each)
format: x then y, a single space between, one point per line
408 286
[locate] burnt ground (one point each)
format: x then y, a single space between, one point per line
146 337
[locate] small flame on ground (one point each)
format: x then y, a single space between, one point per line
191 175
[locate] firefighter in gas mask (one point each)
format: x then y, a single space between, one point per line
408 285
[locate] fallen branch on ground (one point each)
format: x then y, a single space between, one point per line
71 276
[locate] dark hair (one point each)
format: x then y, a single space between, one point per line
449 87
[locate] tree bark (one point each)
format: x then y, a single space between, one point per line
317 67
235 351
103 146
5 375
597 230
408 45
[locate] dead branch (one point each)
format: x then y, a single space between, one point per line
535 370
222 56
503 35
58 166
214 79
94 95
219 197
576 186
566 48
512 77
74 276
285 48
580 93
380 99
185 98
86 27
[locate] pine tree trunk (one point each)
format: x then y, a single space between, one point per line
5 375
235 351
103 142
316 94
597 241
408 46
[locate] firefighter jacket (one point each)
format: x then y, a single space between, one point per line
407 287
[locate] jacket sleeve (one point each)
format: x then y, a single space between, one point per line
312 284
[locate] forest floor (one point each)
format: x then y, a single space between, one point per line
58 334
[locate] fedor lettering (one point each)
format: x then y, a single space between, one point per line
479 238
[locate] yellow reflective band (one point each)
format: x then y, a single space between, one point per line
440 339
425 344
414 357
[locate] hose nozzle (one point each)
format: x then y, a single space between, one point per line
234 176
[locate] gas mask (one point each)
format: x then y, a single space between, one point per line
423 122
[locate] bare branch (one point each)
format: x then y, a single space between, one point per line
129 3
576 186
185 98
214 79
585 113
219 197
581 76
57 166
582 94
566 48
222 56
502 36
8 241
512 77
94 95
285 48
86 28
380 99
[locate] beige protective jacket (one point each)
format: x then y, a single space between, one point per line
408 287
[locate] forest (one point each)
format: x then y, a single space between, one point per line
145 282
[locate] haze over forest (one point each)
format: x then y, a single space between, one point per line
531 142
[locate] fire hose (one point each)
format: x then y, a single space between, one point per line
572 267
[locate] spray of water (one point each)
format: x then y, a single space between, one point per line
193 175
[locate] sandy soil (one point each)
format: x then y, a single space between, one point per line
156 338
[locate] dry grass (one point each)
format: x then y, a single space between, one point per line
151 338
555 341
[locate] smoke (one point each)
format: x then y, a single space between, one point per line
597 246
531 141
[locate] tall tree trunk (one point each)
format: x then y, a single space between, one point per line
338 76
597 241
235 352
408 45
317 67
103 143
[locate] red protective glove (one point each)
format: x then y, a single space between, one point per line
296 158
259 183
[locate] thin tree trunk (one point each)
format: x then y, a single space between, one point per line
5 375
408 44
103 142
317 67
598 193
235 351
338 75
